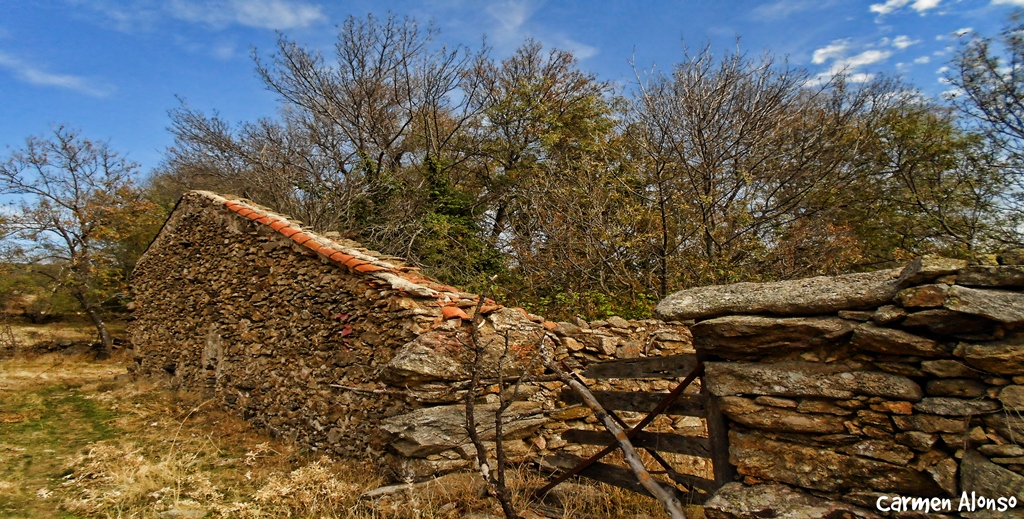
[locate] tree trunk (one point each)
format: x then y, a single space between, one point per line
106 341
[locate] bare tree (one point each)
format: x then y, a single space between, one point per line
77 199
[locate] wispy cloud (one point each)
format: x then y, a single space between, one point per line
902 42
266 14
35 75
846 61
922 60
512 26
894 5
833 50
1008 2
783 8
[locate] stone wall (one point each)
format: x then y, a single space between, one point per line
894 383
340 348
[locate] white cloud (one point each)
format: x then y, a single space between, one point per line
902 42
266 14
32 74
783 8
922 60
867 57
512 16
1008 2
831 51
893 5
942 70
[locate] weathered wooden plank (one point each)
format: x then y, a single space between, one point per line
647 367
718 437
660 442
641 401
613 475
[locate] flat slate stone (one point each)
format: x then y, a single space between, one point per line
750 334
1012 397
821 468
1005 357
739 501
810 296
924 296
992 276
748 413
946 368
998 305
869 337
981 476
956 387
806 379
928 268
948 406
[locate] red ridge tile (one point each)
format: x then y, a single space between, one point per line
277 225
264 220
340 257
354 262
312 245
245 211
289 231
367 267
254 216
301 237
327 251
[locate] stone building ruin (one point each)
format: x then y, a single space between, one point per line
839 391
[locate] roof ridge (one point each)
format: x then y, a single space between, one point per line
398 277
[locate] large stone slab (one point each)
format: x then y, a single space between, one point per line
948 406
981 476
991 276
810 296
432 356
822 469
929 268
894 342
1005 357
806 379
750 414
738 501
436 429
750 335
998 305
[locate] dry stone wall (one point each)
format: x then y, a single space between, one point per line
345 350
853 388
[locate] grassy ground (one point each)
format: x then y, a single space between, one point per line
79 439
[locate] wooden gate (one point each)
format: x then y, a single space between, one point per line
715 447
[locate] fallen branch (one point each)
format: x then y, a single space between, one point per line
671 503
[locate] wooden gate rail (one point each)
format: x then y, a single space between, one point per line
715 447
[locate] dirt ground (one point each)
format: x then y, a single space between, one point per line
79 438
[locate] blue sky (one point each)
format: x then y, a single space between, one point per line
114 68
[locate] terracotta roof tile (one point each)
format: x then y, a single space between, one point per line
367 267
264 220
245 211
340 257
451 312
277 225
300 237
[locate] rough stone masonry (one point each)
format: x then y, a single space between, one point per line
317 339
906 382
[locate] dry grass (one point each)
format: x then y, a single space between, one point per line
78 439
